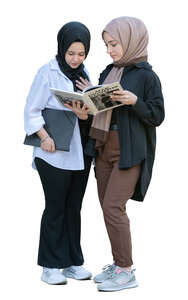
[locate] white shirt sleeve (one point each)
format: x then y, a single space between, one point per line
36 101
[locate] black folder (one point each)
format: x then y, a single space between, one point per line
60 126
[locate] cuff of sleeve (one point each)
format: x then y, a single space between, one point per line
140 107
34 129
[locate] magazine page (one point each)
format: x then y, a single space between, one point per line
97 98
101 96
91 87
67 97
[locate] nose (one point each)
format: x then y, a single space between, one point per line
75 59
109 49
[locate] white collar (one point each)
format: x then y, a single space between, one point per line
54 66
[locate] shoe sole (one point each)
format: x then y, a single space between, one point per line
59 283
97 281
72 277
128 286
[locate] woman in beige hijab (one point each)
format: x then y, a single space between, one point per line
125 141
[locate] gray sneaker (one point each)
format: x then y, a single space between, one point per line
118 280
107 271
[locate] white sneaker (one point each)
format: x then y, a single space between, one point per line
77 272
53 276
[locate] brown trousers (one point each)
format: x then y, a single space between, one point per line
115 188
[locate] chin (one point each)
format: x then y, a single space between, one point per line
75 67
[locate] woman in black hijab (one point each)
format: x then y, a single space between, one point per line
69 33
64 175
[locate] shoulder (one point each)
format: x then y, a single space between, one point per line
145 71
49 71
46 68
152 79
43 73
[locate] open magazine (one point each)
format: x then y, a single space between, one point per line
97 98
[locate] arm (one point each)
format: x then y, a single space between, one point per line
36 101
150 109
47 142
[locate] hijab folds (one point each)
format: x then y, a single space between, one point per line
68 34
132 35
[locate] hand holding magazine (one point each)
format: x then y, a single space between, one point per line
97 98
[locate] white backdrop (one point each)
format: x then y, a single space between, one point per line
159 225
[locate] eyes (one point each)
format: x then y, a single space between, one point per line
112 45
71 53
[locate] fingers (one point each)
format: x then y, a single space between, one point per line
80 85
120 93
53 146
78 105
88 110
83 83
73 105
84 107
80 110
126 97
68 105
116 98
48 145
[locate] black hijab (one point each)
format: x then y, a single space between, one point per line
68 34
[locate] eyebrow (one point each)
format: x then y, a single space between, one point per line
75 51
111 41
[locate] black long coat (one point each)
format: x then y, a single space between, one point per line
137 132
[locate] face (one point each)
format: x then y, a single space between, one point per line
75 55
114 48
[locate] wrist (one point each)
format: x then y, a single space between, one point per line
135 100
82 116
44 139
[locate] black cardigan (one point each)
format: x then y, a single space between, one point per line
137 133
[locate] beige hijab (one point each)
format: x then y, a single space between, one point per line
132 34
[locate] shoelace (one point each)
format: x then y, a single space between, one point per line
52 271
108 268
114 273
74 270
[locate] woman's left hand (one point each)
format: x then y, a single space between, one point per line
83 83
81 112
125 97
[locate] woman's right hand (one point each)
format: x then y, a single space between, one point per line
48 144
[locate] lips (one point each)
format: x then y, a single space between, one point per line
74 65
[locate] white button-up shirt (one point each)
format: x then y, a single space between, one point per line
40 97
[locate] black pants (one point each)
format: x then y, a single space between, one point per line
59 245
